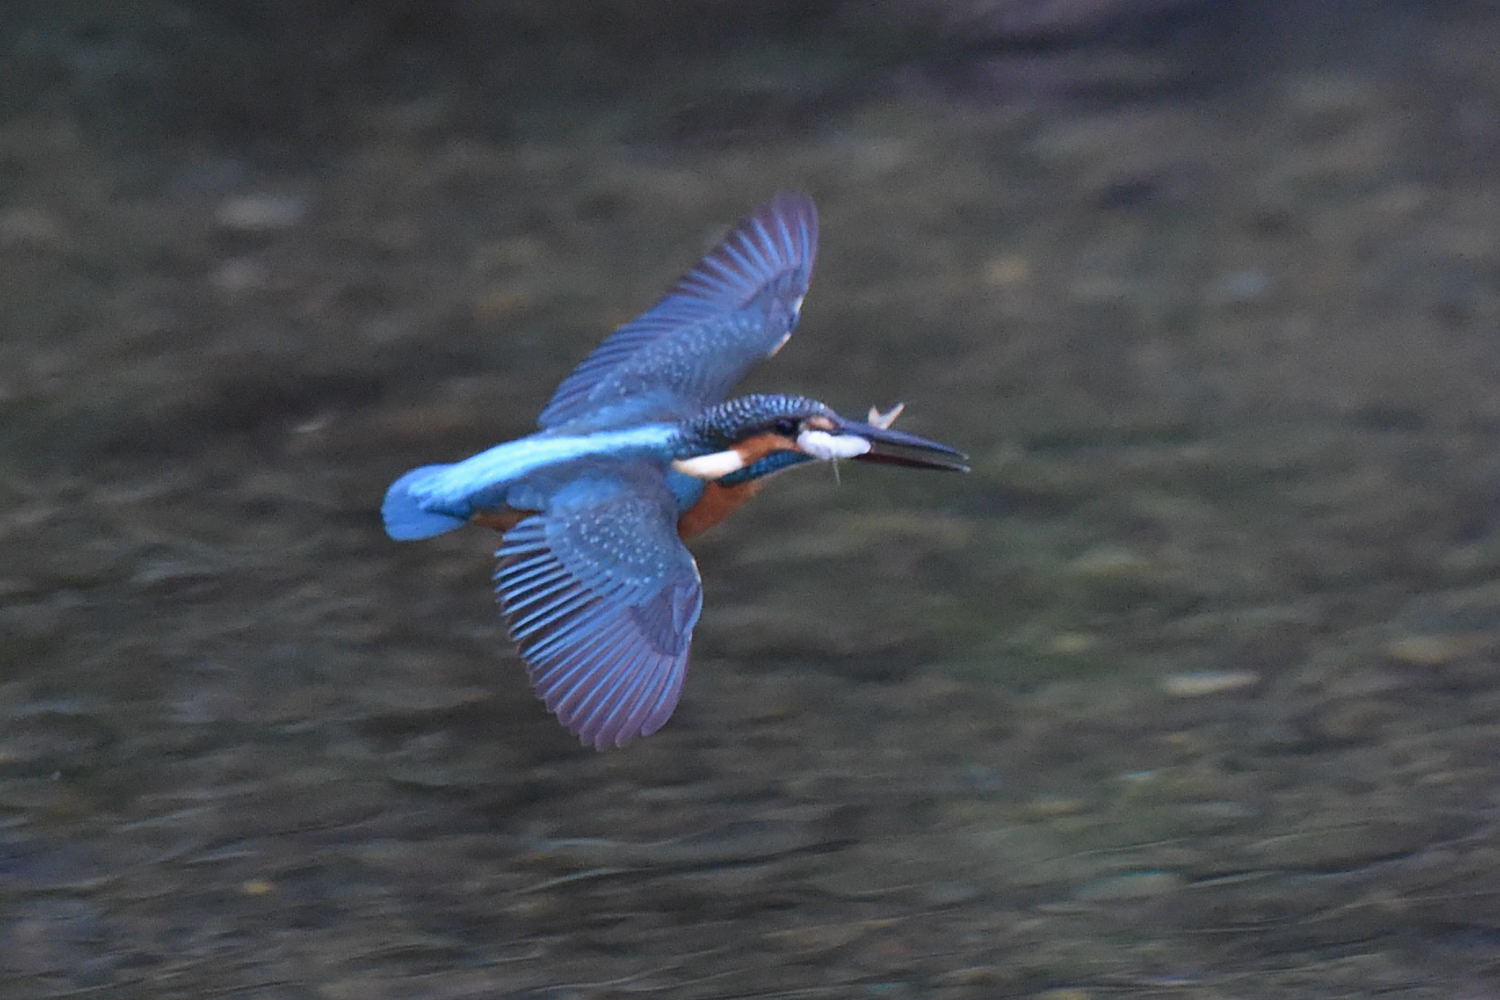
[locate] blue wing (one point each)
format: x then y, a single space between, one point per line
734 309
602 598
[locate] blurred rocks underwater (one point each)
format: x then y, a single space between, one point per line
1187 691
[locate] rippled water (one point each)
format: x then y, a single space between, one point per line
1186 691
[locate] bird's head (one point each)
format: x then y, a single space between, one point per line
752 436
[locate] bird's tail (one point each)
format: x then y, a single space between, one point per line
405 518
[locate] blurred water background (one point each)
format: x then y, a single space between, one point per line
1188 691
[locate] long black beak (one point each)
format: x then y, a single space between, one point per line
889 447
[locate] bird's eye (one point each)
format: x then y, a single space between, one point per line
786 427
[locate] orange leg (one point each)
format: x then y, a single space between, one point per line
501 520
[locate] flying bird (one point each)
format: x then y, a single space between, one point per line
637 450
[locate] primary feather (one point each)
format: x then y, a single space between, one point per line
602 598
731 311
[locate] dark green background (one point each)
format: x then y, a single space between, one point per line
1187 691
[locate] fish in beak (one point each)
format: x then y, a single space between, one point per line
877 442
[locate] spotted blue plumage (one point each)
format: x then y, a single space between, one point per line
599 591
731 311
602 599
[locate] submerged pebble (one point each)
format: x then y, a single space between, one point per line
1197 683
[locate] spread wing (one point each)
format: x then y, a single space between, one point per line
734 309
602 598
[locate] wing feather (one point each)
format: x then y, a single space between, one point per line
602 598
733 309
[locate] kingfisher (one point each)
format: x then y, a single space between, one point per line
636 451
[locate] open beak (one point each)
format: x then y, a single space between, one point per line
892 447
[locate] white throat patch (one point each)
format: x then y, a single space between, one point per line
827 447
